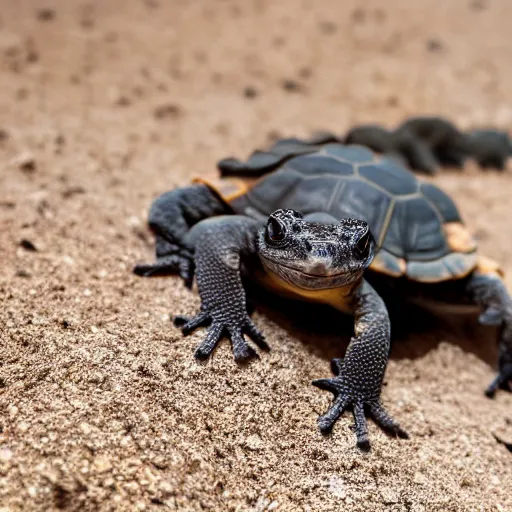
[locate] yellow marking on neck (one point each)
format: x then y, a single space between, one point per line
339 298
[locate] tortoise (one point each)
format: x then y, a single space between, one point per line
427 143
319 224
423 143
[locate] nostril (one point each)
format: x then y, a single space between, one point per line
324 251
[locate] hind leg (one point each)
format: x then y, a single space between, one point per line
487 289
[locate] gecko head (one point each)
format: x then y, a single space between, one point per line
316 251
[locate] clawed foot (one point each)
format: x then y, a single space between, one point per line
346 397
502 381
181 263
234 330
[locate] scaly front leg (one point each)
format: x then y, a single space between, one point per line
359 375
221 244
488 290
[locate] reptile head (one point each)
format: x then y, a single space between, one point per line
315 255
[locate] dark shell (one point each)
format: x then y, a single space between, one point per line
406 216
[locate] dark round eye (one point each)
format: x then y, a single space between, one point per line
275 230
364 244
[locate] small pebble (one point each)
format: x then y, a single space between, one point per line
45 14
26 163
434 45
328 27
28 245
478 5
122 101
166 111
73 191
253 442
250 92
291 85
5 454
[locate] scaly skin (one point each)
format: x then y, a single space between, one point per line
222 247
171 216
359 375
489 292
224 243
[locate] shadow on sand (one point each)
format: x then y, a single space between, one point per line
326 332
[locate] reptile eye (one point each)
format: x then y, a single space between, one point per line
275 230
364 244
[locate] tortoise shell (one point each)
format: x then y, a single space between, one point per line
418 230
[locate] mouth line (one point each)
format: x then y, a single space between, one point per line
318 276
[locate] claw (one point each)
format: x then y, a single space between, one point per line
181 264
210 342
492 316
164 265
490 392
361 428
244 353
146 270
386 422
343 398
256 335
326 385
188 325
327 421
325 424
201 354
501 381
180 320
241 350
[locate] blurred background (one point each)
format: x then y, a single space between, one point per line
106 104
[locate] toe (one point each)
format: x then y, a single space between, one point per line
210 342
496 384
386 422
244 353
363 441
202 354
364 444
180 320
190 325
256 335
325 424
241 350
326 385
142 270
327 421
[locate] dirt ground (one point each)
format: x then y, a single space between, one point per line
105 105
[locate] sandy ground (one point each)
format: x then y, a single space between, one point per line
106 104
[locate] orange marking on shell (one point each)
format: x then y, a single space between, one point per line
459 239
227 188
379 265
488 266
